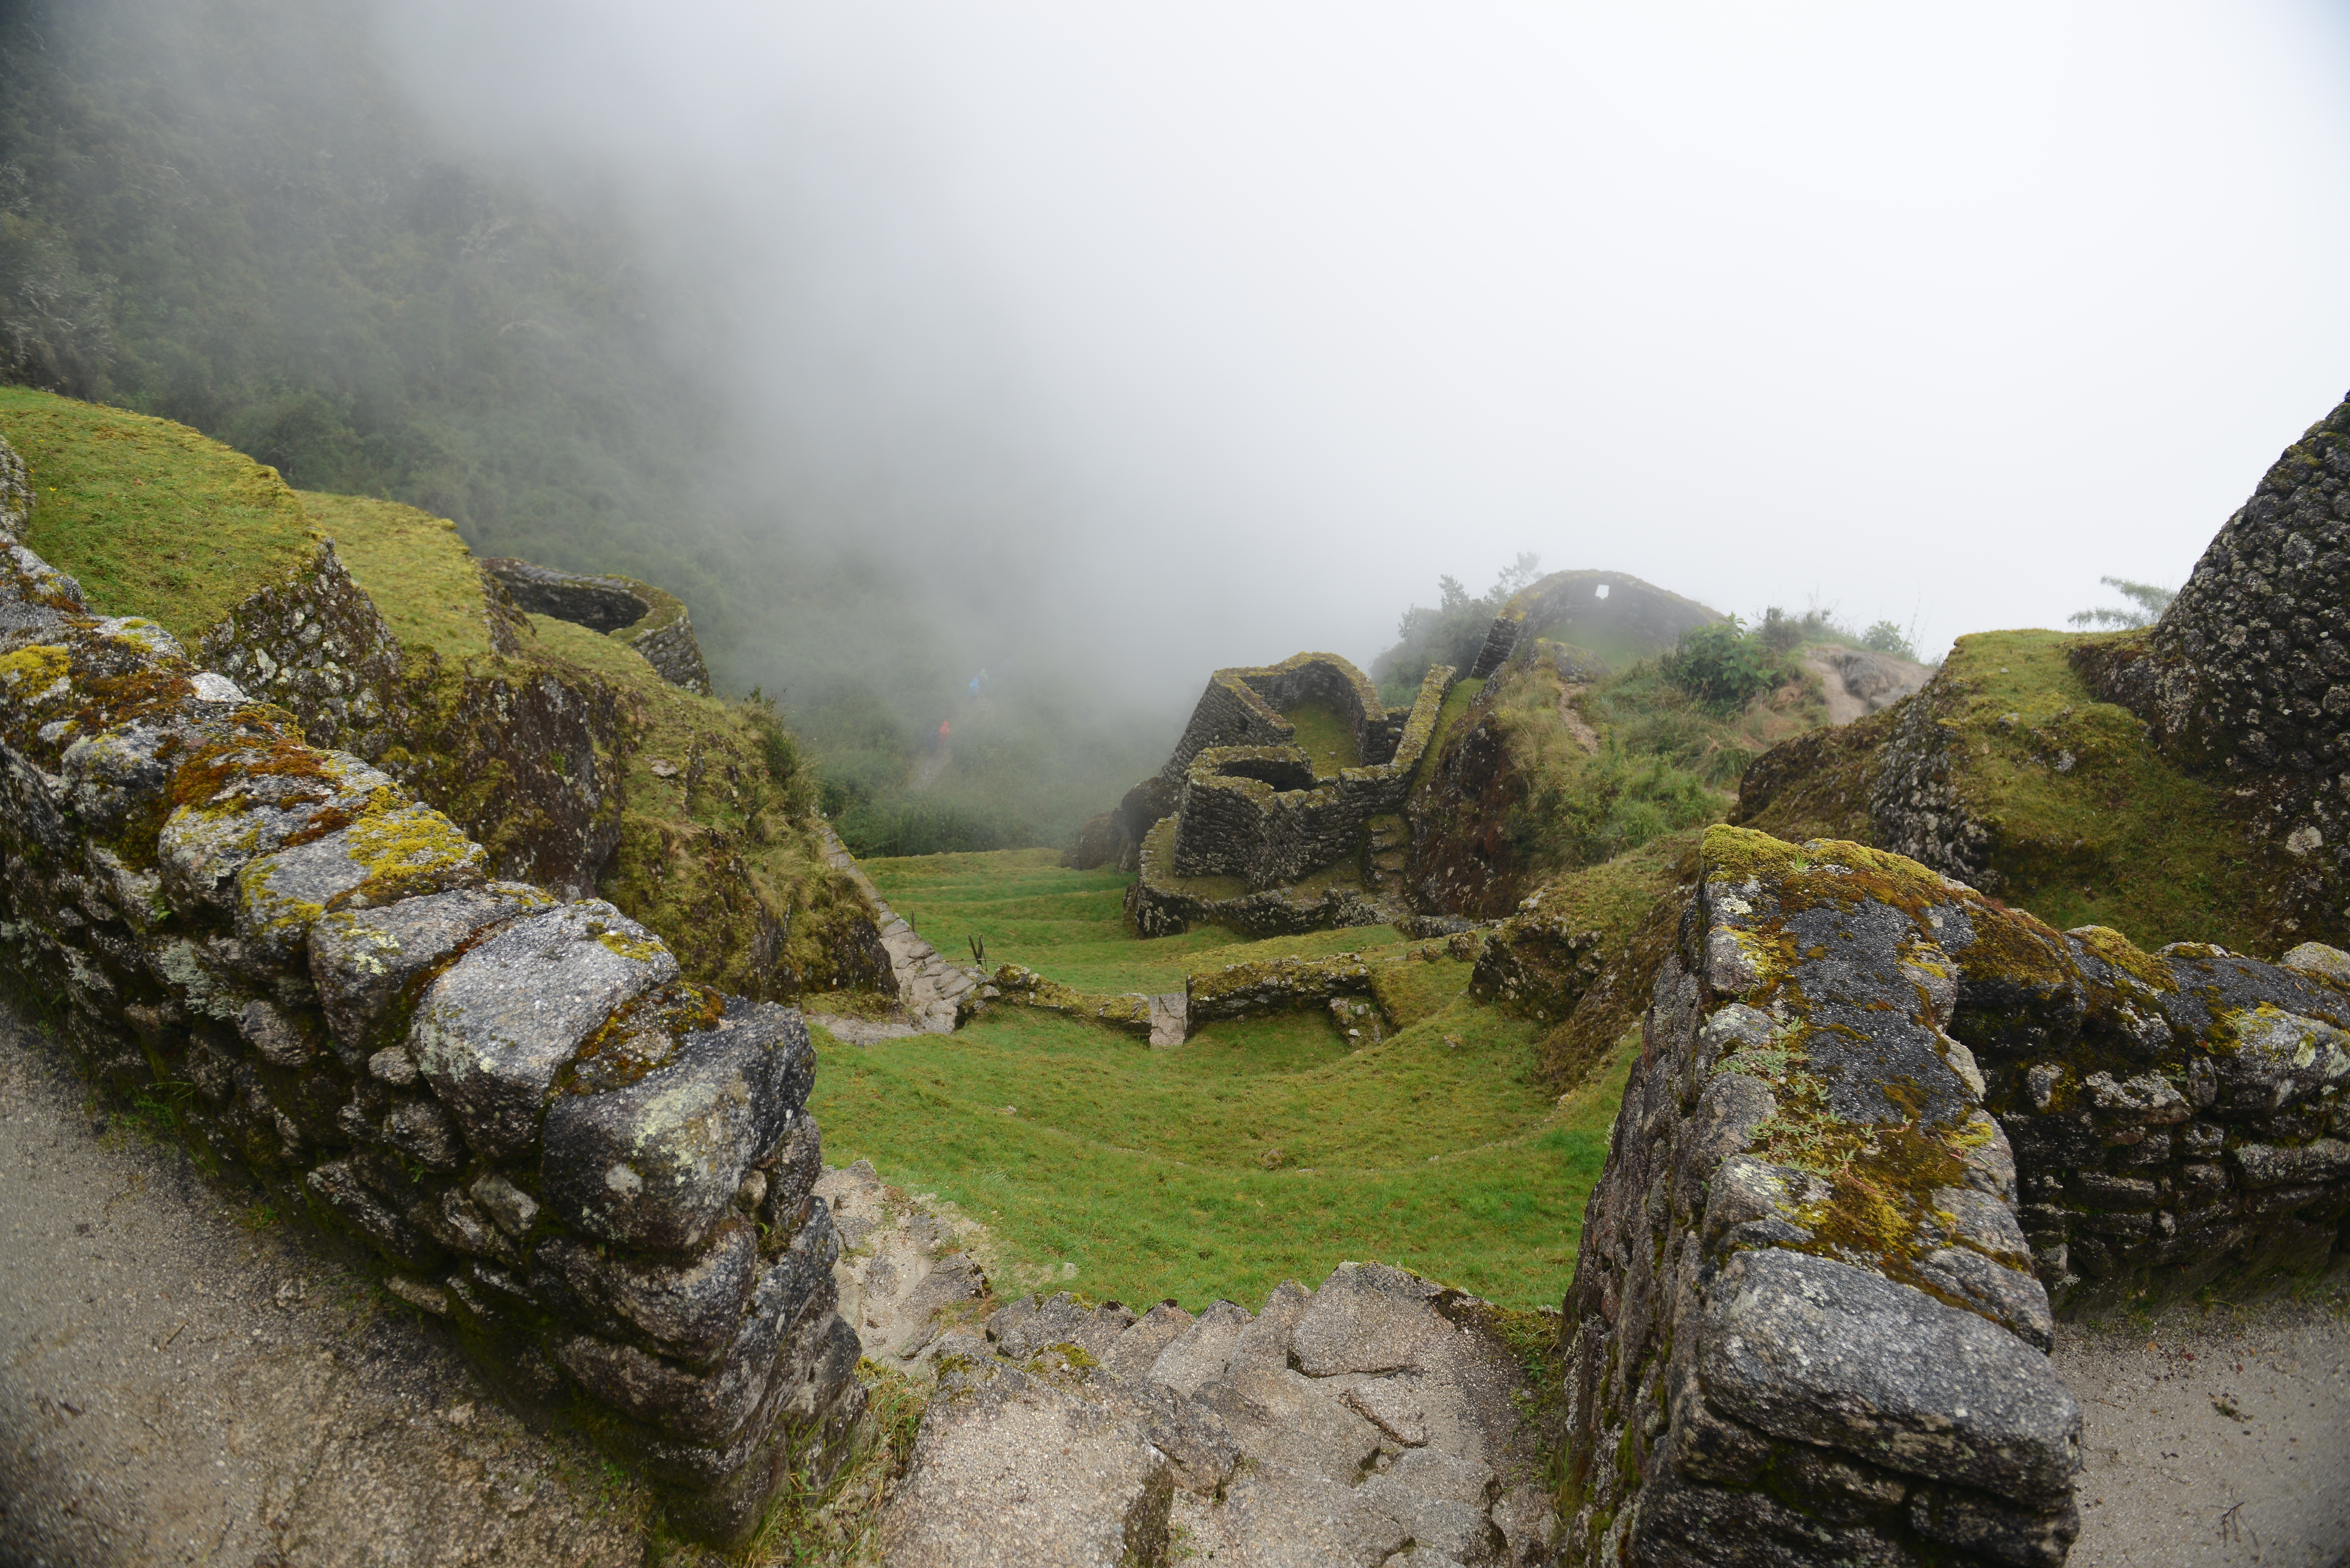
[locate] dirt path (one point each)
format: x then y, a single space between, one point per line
177 1389
2214 1438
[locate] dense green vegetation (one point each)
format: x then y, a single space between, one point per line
1451 633
1255 1152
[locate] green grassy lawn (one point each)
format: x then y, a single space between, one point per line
1325 736
1260 1150
151 518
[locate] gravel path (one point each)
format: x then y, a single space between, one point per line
178 1388
2214 1438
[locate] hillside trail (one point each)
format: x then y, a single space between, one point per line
930 764
178 1388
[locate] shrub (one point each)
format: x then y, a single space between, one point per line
1726 666
1886 637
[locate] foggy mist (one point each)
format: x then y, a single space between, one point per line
1209 332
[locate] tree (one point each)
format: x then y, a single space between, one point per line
2150 600
1452 632
1886 637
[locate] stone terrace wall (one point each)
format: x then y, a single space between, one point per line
599 1175
648 619
1870 1112
1235 818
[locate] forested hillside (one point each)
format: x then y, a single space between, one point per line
221 212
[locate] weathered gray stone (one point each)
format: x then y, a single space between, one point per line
1202 1350
1011 1470
514 1209
2266 1165
1817 1351
2317 958
1140 1345
1367 1317
205 844
689 1310
656 1163
392 851
368 964
1278 1416
491 1033
1024 1327
701 1407
1982 1525
337 1183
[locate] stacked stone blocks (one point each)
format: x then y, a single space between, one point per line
601 1176
1876 1120
1248 804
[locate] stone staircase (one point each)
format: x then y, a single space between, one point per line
930 989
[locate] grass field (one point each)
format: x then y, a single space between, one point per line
1258 1151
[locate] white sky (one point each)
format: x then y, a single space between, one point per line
1248 320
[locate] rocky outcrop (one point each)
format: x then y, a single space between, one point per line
1537 964
1873 1119
1375 1421
1857 682
595 1172
2248 672
637 615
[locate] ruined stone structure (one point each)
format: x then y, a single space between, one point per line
1878 1128
599 1175
636 614
1242 801
2248 672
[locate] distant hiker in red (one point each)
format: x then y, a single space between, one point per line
945 731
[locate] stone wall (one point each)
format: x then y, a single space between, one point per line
2248 672
1875 1118
598 1175
647 618
1259 813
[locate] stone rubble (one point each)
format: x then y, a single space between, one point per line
1376 1421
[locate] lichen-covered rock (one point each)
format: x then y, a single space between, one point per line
1783 1264
655 1162
394 848
1537 963
247 799
369 965
491 1033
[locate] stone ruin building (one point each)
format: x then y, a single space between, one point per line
1247 827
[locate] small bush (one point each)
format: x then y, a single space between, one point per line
1726 666
1886 637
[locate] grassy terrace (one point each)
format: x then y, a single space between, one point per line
151 518
1259 1151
